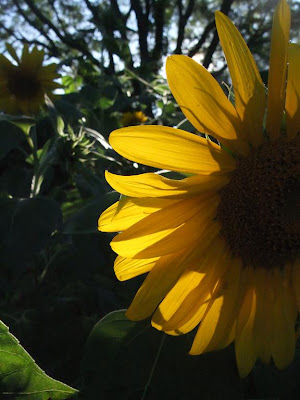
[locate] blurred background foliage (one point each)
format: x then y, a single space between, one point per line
57 278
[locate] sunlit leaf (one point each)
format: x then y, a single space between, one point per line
21 378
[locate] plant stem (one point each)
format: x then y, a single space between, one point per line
153 367
32 141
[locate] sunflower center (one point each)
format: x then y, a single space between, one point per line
24 85
259 208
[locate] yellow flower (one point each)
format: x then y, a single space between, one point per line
23 86
221 246
133 118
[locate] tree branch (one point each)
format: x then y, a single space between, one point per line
142 23
120 27
22 39
225 8
67 39
202 40
159 17
183 19
32 23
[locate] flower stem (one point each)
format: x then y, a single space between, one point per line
153 367
32 141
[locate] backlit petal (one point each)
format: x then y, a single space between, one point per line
263 324
172 149
159 281
128 211
167 231
125 268
292 101
245 345
155 185
278 68
284 318
215 329
250 99
296 281
185 305
5 65
203 101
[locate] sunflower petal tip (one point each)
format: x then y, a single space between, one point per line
174 58
107 174
100 223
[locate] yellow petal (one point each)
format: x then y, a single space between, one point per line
263 326
278 68
125 268
245 345
186 303
32 61
159 281
172 149
185 310
250 99
202 100
12 52
155 185
292 101
283 322
216 327
296 281
6 66
168 230
128 211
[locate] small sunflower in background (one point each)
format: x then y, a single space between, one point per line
131 118
23 85
221 247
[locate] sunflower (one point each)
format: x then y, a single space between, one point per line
221 246
23 86
133 118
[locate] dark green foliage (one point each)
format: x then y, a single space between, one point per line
11 137
56 269
21 378
26 227
139 362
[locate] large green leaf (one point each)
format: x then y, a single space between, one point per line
131 360
21 378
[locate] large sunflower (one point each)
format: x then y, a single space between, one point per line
23 86
221 246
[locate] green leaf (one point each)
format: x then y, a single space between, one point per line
24 123
105 103
11 137
85 220
71 84
21 378
60 125
131 360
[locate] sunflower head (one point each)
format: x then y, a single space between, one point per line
130 118
24 83
221 246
